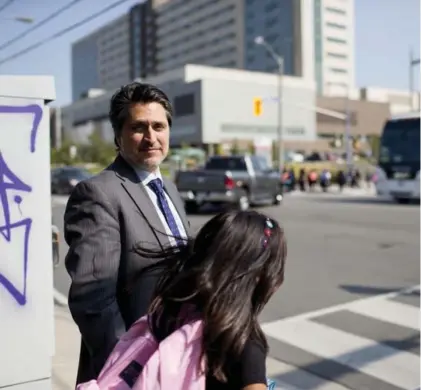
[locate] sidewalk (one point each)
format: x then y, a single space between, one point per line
67 342
66 359
334 190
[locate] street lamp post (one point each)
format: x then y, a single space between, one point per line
280 61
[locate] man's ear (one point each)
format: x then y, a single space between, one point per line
116 143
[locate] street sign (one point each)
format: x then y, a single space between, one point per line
257 106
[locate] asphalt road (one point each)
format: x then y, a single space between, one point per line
340 249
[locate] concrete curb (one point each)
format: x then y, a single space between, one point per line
60 299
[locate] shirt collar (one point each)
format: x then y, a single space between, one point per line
146 177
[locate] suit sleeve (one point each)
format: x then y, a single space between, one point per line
91 230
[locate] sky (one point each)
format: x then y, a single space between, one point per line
385 32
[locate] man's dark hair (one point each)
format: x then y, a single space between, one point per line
135 92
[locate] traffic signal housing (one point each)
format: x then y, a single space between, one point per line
257 106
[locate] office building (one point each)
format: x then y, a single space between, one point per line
102 59
222 33
334 46
314 38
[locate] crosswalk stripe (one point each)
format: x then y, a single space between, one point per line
399 368
347 305
390 311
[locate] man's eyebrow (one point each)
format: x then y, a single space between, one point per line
145 122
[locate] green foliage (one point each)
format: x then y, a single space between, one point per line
219 150
252 148
96 151
235 148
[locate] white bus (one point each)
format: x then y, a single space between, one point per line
398 171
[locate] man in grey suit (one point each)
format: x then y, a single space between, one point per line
127 204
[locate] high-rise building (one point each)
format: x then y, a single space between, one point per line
222 33
334 46
102 59
314 38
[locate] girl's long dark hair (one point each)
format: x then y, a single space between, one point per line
229 272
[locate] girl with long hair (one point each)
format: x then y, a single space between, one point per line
227 274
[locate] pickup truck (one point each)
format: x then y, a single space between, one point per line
239 181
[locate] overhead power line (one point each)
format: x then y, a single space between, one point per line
38 25
62 32
6 4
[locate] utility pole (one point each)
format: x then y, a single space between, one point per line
412 63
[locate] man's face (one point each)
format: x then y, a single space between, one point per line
144 139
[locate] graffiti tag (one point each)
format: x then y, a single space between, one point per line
9 181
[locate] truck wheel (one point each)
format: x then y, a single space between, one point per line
277 200
402 200
278 197
243 202
191 207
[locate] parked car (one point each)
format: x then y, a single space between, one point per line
56 251
239 181
64 179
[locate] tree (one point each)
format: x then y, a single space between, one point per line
219 150
97 151
252 148
235 148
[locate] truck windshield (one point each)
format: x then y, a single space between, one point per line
226 164
400 142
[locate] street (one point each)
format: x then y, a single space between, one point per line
348 311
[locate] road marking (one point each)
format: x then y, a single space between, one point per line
345 306
385 363
60 298
389 311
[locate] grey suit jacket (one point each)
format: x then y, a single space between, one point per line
105 217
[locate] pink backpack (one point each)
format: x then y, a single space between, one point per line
139 362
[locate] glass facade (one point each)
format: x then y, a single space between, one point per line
318 45
84 67
273 20
136 32
142 41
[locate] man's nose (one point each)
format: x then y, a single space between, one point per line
150 135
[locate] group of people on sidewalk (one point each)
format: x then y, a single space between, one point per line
133 260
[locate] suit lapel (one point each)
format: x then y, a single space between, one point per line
172 192
138 194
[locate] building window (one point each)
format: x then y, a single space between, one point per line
336 11
184 105
337 55
336 25
338 70
336 40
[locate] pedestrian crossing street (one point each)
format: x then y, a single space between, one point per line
372 343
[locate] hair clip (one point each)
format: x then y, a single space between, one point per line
269 223
267 232
264 242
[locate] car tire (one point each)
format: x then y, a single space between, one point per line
402 200
243 202
278 198
191 207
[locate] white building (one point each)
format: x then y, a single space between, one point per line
334 46
400 101
204 114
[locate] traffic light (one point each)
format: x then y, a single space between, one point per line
257 106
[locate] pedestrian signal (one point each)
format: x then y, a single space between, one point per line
257 106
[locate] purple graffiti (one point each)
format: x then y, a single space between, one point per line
10 181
